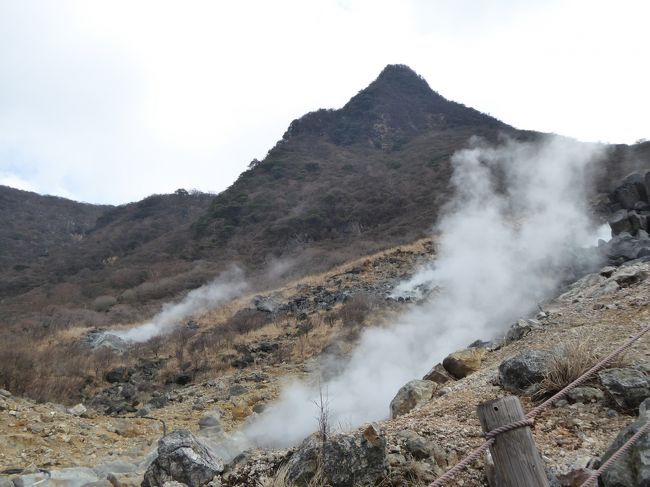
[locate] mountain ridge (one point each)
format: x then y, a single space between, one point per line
338 185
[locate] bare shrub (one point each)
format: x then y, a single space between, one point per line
354 311
323 418
568 363
103 303
102 361
245 321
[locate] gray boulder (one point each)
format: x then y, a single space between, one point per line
183 458
345 460
585 395
411 395
628 387
520 329
624 247
633 468
518 373
630 276
619 223
631 192
638 221
415 444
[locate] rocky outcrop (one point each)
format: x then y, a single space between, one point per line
463 362
181 457
630 222
628 387
411 395
344 460
520 372
624 247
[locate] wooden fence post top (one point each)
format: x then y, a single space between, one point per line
516 460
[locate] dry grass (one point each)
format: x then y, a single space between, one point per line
568 363
281 479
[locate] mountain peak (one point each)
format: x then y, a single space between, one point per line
400 76
396 106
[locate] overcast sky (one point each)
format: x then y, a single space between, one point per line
110 101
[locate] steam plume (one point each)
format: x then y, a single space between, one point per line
503 245
224 287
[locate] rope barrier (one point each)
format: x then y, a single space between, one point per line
529 421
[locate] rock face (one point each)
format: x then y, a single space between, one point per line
464 362
630 223
346 460
411 395
633 468
518 373
181 457
628 387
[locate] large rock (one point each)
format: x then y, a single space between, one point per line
633 468
518 373
463 362
624 247
181 457
345 460
78 410
628 387
631 192
629 276
619 223
411 395
438 374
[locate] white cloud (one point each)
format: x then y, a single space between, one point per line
111 101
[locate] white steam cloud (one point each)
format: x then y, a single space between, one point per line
223 288
503 245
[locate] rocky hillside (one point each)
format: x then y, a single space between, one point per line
33 228
431 421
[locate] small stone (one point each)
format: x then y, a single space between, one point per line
210 421
259 407
237 390
520 329
77 410
585 395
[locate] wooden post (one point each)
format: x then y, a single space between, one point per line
516 460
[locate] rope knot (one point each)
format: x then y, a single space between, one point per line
528 422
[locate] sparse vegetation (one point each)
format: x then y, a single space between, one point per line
568 363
